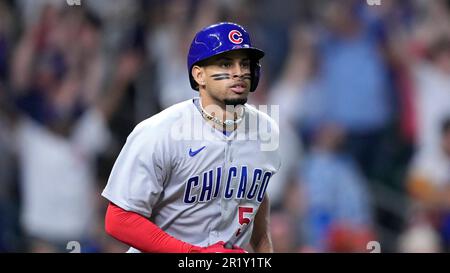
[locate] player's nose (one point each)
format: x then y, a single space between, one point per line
237 69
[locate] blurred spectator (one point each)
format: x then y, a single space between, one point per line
432 21
354 77
63 126
429 185
168 48
9 200
301 88
6 35
284 94
275 28
420 236
282 228
337 202
30 11
432 85
10 240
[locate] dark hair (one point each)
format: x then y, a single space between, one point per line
93 20
438 47
445 125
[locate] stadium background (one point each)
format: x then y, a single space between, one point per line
364 93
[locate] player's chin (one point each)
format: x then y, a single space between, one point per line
236 100
236 96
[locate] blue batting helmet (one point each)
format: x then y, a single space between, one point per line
220 38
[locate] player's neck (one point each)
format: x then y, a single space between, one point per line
221 114
216 108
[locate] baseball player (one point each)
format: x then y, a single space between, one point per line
193 194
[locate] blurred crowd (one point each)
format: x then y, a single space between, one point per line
364 96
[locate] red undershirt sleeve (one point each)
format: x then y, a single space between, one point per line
137 231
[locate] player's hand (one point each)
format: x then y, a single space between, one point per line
218 247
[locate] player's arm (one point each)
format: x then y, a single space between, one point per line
261 240
139 232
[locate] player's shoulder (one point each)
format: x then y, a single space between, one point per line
163 122
262 116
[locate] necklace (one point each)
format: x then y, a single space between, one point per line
225 123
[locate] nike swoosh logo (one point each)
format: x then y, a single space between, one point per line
193 153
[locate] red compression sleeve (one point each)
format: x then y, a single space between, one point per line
139 232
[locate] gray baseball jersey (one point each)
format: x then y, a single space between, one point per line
196 183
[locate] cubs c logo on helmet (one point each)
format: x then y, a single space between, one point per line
235 37
220 38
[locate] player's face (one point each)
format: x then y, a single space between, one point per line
227 78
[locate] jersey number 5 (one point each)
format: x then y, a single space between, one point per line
243 220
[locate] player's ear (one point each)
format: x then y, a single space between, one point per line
198 73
